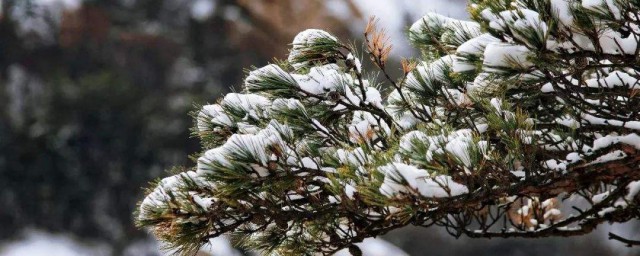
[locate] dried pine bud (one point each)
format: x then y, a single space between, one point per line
281 223
355 250
272 166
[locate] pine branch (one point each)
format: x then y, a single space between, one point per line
504 118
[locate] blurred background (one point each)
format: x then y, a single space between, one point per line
95 99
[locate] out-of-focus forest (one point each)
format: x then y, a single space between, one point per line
95 99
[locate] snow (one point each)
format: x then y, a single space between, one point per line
253 105
521 22
356 157
286 104
220 246
603 5
310 36
608 157
373 97
459 148
212 114
253 145
406 120
419 180
476 47
407 141
633 189
457 143
461 65
318 81
560 9
614 79
307 162
607 210
361 131
442 186
349 190
612 42
524 211
38 243
428 72
303 41
496 103
547 203
216 155
573 157
635 125
66 4
321 79
205 203
530 23
261 170
255 78
292 196
247 128
402 117
365 127
606 141
430 22
356 62
201 10
520 18
600 197
156 201
457 98
452 31
556 165
568 121
319 126
215 246
459 31
375 247
547 88
333 200
351 97
506 55
399 172
480 84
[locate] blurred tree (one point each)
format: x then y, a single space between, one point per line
94 97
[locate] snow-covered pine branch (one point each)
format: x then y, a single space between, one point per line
521 123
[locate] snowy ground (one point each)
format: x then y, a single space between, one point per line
39 243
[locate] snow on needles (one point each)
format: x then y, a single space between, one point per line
399 174
302 44
483 104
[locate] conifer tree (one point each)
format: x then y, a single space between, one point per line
521 123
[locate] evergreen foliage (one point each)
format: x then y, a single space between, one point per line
520 123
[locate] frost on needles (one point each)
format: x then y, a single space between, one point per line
521 123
